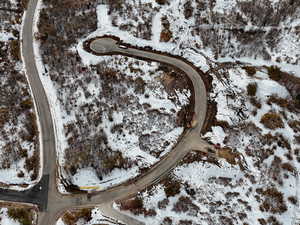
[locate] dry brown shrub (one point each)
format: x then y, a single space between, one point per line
295 125
185 204
24 4
222 123
251 89
33 164
273 201
131 204
255 102
165 35
15 49
136 206
230 156
188 10
161 2
250 70
288 167
26 104
171 186
163 203
167 221
262 221
274 73
272 121
273 221
293 200
71 217
282 102
23 215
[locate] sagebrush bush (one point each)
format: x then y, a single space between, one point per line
70 218
165 35
251 89
24 216
274 73
250 70
273 201
171 187
272 121
161 2
15 49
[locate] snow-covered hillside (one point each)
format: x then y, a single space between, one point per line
115 116
255 121
256 182
266 30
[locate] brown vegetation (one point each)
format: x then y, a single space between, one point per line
171 186
272 121
251 89
71 217
274 73
165 35
251 71
15 49
255 102
230 156
23 215
161 2
273 201
136 206
17 109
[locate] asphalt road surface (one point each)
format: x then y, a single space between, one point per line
51 202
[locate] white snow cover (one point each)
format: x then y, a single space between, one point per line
5 219
265 88
4 36
223 5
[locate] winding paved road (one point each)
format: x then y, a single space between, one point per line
56 202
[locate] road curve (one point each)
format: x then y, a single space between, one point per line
58 202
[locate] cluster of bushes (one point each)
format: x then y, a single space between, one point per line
71 217
273 201
251 89
274 73
15 49
272 120
172 186
185 204
251 71
161 2
22 215
136 206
